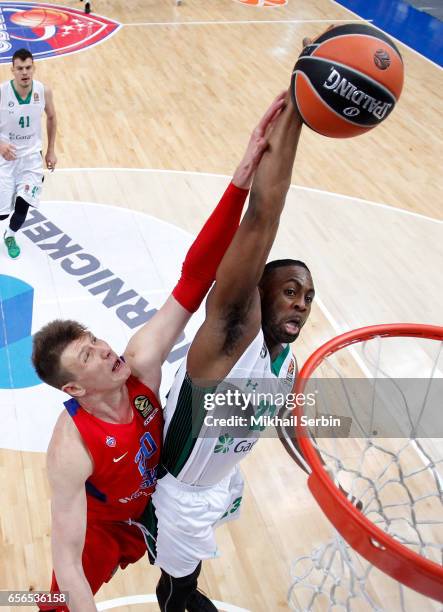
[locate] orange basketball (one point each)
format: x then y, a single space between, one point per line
347 81
39 18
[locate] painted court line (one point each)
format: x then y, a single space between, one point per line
377 204
403 211
140 599
241 22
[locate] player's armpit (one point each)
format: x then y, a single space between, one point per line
222 338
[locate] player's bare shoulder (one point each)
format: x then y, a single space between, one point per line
49 101
67 454
48 91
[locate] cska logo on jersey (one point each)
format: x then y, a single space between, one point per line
49 29
143 405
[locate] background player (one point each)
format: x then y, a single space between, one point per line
201 484
103 455
22 102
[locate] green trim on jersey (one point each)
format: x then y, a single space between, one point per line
183 431
278 361
149 520
21 100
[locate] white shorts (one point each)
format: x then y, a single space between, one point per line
186 517
21 177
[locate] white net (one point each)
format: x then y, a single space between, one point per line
391 464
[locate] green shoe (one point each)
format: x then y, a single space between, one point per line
12 246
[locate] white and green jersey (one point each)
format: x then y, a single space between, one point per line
21 118
203 444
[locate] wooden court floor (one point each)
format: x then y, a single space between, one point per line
180 88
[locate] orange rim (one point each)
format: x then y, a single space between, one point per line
379 548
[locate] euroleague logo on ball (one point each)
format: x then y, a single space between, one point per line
382 59
49 30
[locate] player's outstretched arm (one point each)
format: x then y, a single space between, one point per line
69 466
150 346
233 310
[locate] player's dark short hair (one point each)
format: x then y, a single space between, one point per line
22 54
281 263
48 345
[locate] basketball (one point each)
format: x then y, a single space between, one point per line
347 81
39 18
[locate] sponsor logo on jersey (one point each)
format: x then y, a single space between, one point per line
244 446
136 495
111 441
224 445
10 103
150 417
36 97
264 351
345 89
13 136
143 405
117 459
224 442
49 30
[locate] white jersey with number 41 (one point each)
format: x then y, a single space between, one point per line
21 118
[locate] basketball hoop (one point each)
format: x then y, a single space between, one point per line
392 536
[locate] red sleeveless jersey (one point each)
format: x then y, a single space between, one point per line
125 456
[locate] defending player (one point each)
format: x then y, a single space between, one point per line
104 452
22 102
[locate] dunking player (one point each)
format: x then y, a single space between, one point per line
252 313
104 452
22 102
